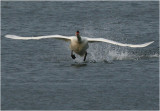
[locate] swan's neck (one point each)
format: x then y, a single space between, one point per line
79 38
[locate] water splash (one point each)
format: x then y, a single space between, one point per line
156 55
115 55
102 52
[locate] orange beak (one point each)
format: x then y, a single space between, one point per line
77 33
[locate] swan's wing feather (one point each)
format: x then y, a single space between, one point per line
66 38
118 43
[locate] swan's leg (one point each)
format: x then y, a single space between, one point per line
72 55
85 56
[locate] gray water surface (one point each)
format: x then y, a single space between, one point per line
41 75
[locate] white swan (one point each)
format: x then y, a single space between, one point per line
79 44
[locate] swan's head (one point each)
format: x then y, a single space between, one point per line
77 33
78 36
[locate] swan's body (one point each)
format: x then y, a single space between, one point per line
79 47
79 44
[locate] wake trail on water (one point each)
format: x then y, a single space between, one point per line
108 53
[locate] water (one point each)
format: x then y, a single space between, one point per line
41 75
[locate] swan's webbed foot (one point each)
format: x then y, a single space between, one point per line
72 55
85 56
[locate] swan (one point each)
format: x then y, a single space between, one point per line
79 44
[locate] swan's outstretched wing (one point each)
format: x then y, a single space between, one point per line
66 38
118 43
